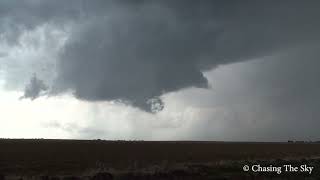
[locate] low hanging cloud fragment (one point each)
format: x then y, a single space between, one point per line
34 89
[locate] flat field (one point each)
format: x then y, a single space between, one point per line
30 157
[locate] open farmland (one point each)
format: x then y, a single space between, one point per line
31 158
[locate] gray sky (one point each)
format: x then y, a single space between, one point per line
155 70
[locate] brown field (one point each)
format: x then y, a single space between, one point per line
35 157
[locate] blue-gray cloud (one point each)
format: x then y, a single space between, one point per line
136 51
34 88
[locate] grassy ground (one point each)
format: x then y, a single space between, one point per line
28 158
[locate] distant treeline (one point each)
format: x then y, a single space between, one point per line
293 141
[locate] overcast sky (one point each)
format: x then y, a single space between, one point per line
160 70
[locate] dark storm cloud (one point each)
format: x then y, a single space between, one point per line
34 88
140 50
18 16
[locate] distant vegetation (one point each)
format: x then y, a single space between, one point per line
102 159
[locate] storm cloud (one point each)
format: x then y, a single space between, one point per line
142 50
34 88
139 51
